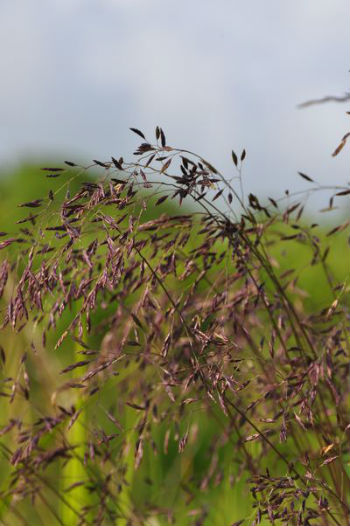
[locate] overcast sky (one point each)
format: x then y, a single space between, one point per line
216 75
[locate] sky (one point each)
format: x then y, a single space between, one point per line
216 75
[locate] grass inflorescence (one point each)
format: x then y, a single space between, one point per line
159 362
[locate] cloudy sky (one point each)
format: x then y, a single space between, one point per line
216 75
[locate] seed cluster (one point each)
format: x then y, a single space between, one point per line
162 316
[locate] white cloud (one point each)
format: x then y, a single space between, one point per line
216 75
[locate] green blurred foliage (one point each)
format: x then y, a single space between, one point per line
164 480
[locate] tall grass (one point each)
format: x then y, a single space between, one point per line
177 369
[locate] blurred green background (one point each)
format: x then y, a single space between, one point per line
165 480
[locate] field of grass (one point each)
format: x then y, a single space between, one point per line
128 447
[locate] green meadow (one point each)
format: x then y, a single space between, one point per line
191 464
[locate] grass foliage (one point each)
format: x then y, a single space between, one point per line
165 365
